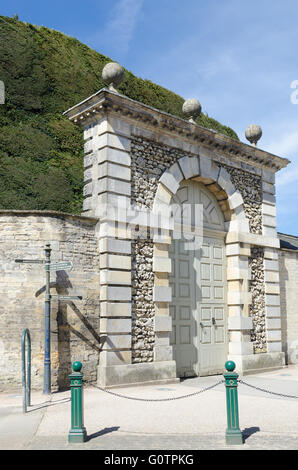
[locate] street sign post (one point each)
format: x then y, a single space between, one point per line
66 265
47 341
66 297
59 266
31 261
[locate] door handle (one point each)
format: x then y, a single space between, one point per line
201 325
213 321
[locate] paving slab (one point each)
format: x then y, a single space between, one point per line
198 422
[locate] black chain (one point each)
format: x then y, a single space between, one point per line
158 399
267 391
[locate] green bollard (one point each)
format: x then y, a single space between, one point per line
77 432
233 432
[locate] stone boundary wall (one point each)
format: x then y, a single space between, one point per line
288 272
74 325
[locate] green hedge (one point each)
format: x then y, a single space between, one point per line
41 153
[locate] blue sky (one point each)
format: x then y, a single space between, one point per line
238 58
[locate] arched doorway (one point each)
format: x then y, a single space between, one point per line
198 282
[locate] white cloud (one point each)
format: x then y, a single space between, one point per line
114 39
289 176
286 145
224 61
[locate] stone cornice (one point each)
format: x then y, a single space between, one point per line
105 101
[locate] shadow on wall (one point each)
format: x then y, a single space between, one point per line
71 343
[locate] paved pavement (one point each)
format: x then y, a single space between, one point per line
198 422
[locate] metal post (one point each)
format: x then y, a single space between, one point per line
77 432
233 432
26 380
47 346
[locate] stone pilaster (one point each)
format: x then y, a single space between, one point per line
272 300
107 191
268 206
238 301
271 266
162 295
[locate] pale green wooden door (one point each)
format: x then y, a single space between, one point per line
198 307
183 310
211 306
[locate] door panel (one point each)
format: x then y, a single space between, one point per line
212 353
198 308
182 311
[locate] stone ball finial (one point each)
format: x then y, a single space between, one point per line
253 134
113 75
192 108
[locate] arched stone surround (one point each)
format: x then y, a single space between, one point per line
218 181
137 155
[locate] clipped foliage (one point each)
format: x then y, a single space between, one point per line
41 153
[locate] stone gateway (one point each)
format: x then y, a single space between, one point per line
156 305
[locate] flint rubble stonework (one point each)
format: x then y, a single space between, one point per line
149 161
257 307
250 187
142 304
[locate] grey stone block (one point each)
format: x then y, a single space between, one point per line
114 186
268 176
162 294
235 200
224 181
162 323
113 170
88 189
189 166
112 245
108 154
253 363
170 182
208 169
137 373
90 159
269 199
163 353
